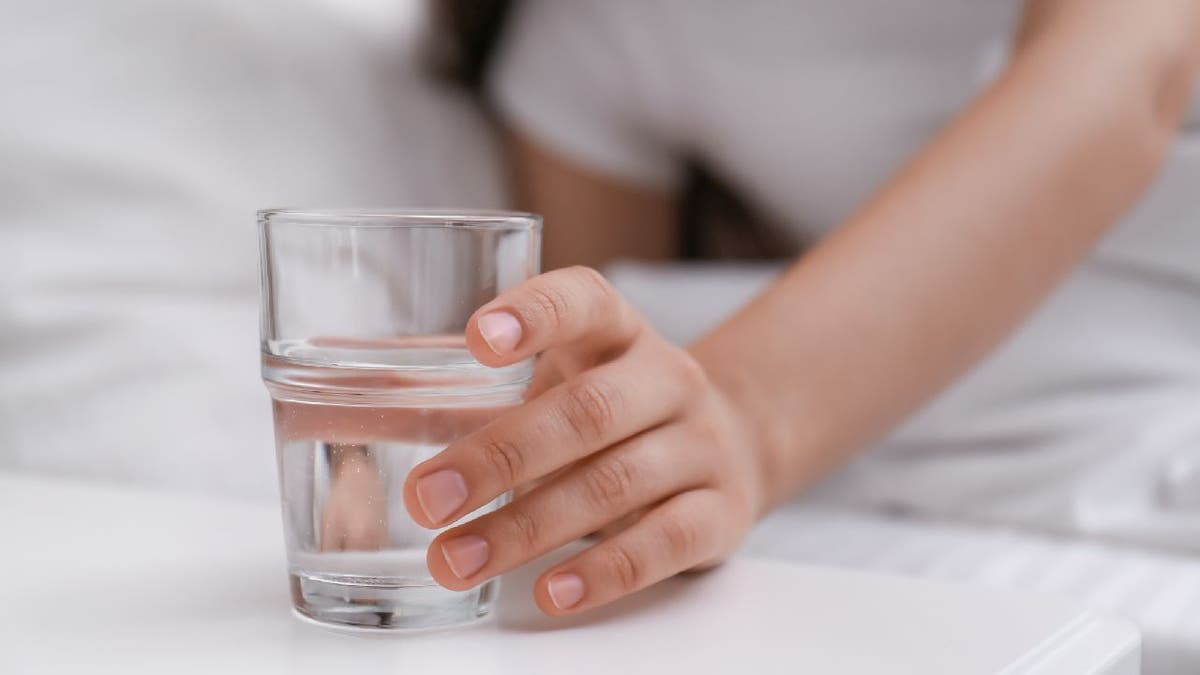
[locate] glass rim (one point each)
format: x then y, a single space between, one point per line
435 218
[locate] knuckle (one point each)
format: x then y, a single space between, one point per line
682 538
526 528
709 432
590 408
551 302
595 282
505 459
608 483
690 373
607 300
548 305
622 568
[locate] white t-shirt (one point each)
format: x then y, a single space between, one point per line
1087 419
137 138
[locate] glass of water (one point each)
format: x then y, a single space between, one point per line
363 313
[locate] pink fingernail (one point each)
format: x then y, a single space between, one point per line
465 555
566 590
441 493
501 330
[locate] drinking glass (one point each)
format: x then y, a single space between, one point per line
363 352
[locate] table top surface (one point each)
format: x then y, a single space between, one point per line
104 579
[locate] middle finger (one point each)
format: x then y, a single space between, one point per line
601 407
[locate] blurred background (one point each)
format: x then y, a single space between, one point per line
138 138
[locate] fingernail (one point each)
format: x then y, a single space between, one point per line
441 493
465 555
501 330
566 590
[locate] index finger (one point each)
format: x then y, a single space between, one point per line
573 308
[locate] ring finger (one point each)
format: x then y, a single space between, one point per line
685 532
629 476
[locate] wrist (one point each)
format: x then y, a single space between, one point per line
793 441
763 435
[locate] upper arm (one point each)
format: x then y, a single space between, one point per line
591 219
592 135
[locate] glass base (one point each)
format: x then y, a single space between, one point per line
382 604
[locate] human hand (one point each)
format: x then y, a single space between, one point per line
633 427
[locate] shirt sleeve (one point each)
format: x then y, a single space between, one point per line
572 75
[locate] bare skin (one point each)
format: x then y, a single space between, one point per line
927 277
355 515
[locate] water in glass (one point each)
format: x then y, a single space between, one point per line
352 418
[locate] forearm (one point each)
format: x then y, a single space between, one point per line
961 245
